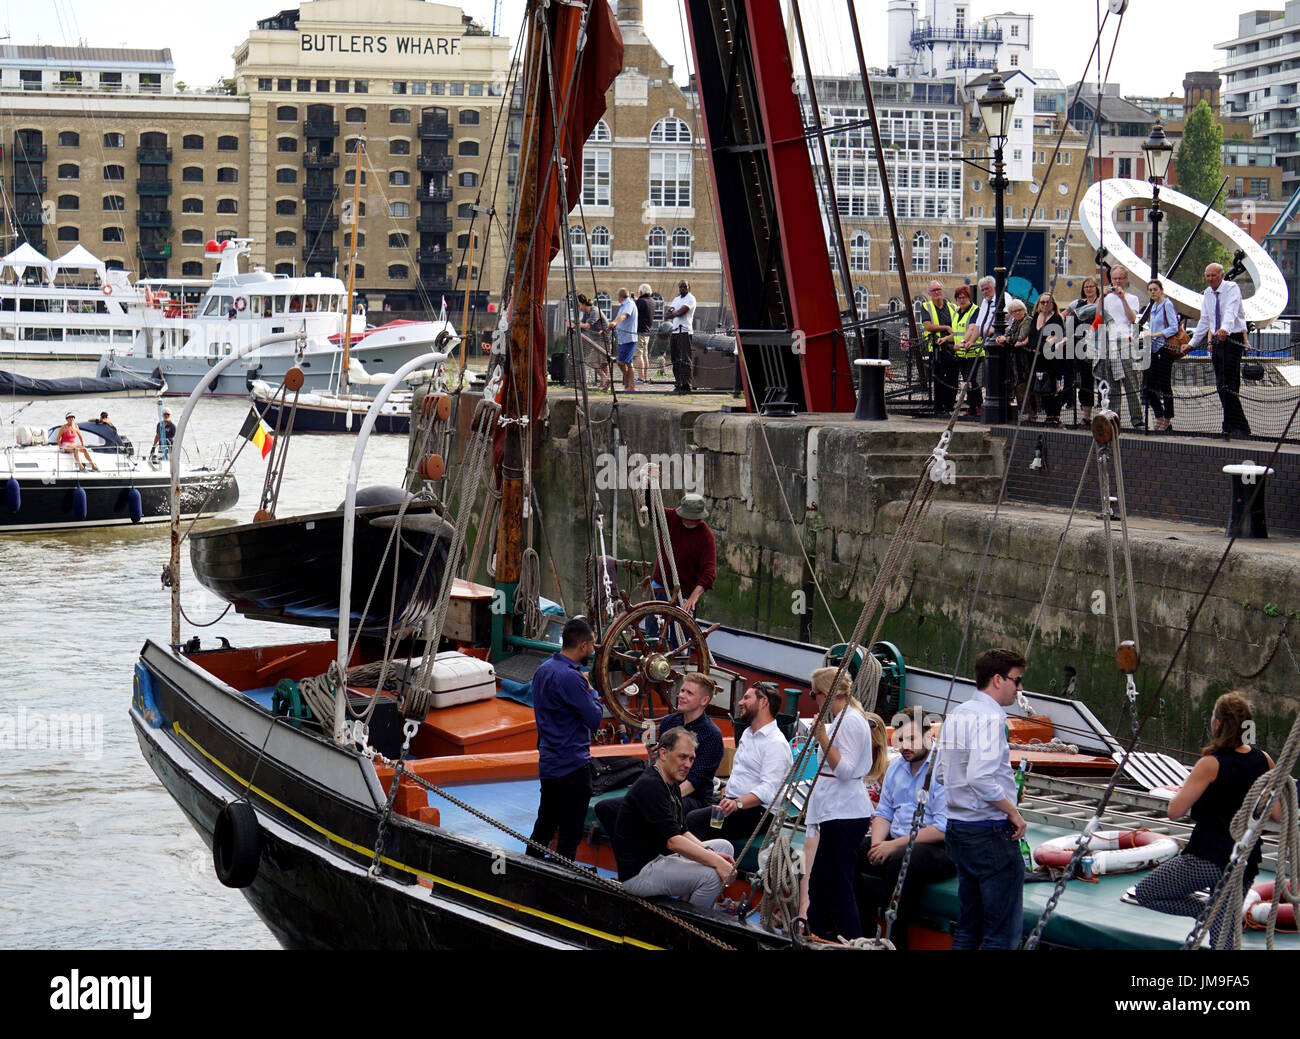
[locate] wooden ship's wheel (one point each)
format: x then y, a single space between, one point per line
638 674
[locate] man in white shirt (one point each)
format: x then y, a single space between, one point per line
1119 368
758 770
1224 324
979 334
984 825
682 312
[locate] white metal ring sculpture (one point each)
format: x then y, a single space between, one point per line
1097 218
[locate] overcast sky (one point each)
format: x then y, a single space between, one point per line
203 35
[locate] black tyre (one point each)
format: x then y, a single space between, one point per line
236 845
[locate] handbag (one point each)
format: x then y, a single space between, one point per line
1178 344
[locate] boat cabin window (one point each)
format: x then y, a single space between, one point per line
266 306
210 307
334 305
295 304
279 304
310 305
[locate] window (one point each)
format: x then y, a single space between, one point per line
399 210
286 114
601 134
263 82
1017 123
1123 167
350 177
467 148
192 268
355 115
860 251
465 210
1015 31
226 235
69 139
191 142
398 178
285 268
462 240
192 175
69 171
114 203
604 304
398 272
351 145
860 301
1015 61
893 257
456 89
419 88
361 240
578 244
112 234
227 205
322 86
595 172
670 179
115 140
670 130
657 248
945 254
286 237
399 115
69 202
192 236
284 84
469 117
115 173
399 87
399 147
227 175
341 86
304 86
681 247
285 207
398 240
600 246
1020 92
361 86
286 175
467 180
191 205
1061 257
921 252
476 90
286 144
68 234
226 143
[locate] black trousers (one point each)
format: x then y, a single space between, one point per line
832 909
1226 358
680 345
944 367
874 884
562 810
1084 381
736 827
1160 385
974 396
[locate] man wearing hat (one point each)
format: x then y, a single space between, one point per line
694 552
168 427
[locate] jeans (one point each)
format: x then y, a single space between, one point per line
679 877
562 810
990 885
832 908
875 884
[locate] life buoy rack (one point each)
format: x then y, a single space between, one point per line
1113 851
240 303
107 290
1259 904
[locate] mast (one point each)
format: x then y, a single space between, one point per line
352 267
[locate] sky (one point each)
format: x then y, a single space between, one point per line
203 36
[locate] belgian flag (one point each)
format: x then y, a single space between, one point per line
258 432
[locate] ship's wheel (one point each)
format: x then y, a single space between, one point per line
637 673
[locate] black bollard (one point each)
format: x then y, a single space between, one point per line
1247 515
871 389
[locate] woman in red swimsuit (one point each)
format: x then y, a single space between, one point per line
70 440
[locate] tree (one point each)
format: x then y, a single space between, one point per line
1199 162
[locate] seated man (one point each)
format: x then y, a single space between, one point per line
763 759
655 853
881 855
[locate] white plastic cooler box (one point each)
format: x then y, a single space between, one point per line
456 678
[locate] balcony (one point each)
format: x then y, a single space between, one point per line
27 184
320 192
24 152
434 163
435 284
154 218
320 128
310 255
153 156
433 224
436 194
972 63
153 188
928 35
320 222
37 242
437 257
316 161
154 252
435 129
29 216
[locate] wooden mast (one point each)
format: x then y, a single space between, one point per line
352 267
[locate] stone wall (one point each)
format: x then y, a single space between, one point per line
863 475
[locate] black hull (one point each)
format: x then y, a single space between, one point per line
311 887
288 569
51 506
309 419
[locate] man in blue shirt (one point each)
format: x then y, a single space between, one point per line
567 709
625 328
881 856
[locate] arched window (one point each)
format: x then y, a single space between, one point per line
657 248
114 203
398 178
398 272
286 175
600 246
401 210
190 142
670 168
945 254
465 210
399 240
191 269
284 268
468 117
114 172
604 304
601 134
670 130
191 205
468 179
921 252
69 202
350 177
578 243
861 301
351 144
153 139
286 144
399 146
114 139
227 143
596 168
681 247
285 207
355 115
69 171
227 205
860 251
112 234
69 139
399 115
287 114
893 257
68 233
467 148
1061 256
192 175
192 236
227 175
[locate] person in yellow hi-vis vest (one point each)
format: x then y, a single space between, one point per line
965 317
939 317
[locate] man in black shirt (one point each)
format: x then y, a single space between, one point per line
656 854
695 695
645 320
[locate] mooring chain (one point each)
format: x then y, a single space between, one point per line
1221 644
409 729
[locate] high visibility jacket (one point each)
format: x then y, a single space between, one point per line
964 318
948 318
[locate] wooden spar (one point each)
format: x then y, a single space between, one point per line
352 268
464 321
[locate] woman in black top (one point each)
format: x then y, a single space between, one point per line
1080 369
1216 788
1047 340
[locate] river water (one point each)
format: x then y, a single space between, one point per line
93 852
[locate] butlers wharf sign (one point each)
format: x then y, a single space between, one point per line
366 43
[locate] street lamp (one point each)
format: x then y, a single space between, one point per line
995 112
1158 152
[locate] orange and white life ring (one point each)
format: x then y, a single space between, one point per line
240 303
108 290
1258 905
1113 851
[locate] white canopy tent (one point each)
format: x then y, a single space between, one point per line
22 258
76 258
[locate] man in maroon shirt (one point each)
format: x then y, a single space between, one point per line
693 551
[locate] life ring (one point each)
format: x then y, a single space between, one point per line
1113 851
1258 905
240 303
108 290
236 844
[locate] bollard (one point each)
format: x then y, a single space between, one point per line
1247 516
871 389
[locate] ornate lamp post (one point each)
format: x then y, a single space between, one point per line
995 112
1158 152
